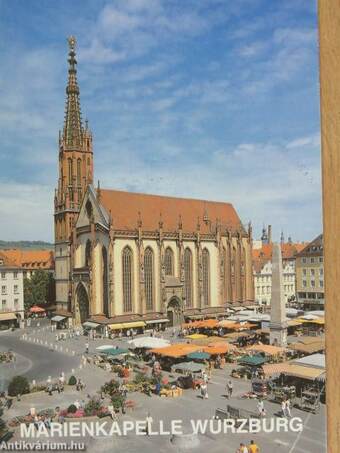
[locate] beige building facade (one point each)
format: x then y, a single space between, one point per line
12 292
310 275
135 262
262 268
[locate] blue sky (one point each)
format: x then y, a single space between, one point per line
213 99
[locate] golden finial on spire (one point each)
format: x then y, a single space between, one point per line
72 42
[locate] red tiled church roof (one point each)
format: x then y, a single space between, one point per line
126 206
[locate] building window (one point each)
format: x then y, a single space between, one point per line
16 289
188 277
321 283
16 303
206 277
127 279
312 260
79 172
312 283
105 282
3 303
88 253
304 260
304 271
321 271
312 272
3 274
3 290
304 283
149 279
169 261
321 259
15 275
70 171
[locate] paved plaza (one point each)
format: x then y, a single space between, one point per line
38 362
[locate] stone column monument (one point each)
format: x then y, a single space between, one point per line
278 323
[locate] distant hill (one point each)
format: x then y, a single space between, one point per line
27 245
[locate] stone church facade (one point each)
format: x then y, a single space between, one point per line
130 257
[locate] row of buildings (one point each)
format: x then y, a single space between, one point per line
302 265
302 273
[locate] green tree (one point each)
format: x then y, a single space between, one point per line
19 385
38 288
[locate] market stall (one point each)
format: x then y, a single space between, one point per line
198 356
124 327
59 321
148 343
169 354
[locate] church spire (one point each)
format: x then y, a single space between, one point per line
73 129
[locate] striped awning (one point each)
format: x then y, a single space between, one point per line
7 317
127 325
290 369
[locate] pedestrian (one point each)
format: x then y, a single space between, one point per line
148 423
242 449
260 408
204 390
47 422
284 407
288 412
229 389
113 413
87 348
253 448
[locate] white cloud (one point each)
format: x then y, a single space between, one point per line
99 53
311 140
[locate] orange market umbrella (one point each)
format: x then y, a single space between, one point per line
176 350
215 350
36 309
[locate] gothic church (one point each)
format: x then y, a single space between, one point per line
132 259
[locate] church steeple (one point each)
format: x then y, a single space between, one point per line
73 129
75 155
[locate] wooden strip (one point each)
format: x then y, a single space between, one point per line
329 36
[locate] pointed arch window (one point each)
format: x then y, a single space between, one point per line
206 276
169 261
127 262
149 278
70 171
188 277
88 253
78 172
105 282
